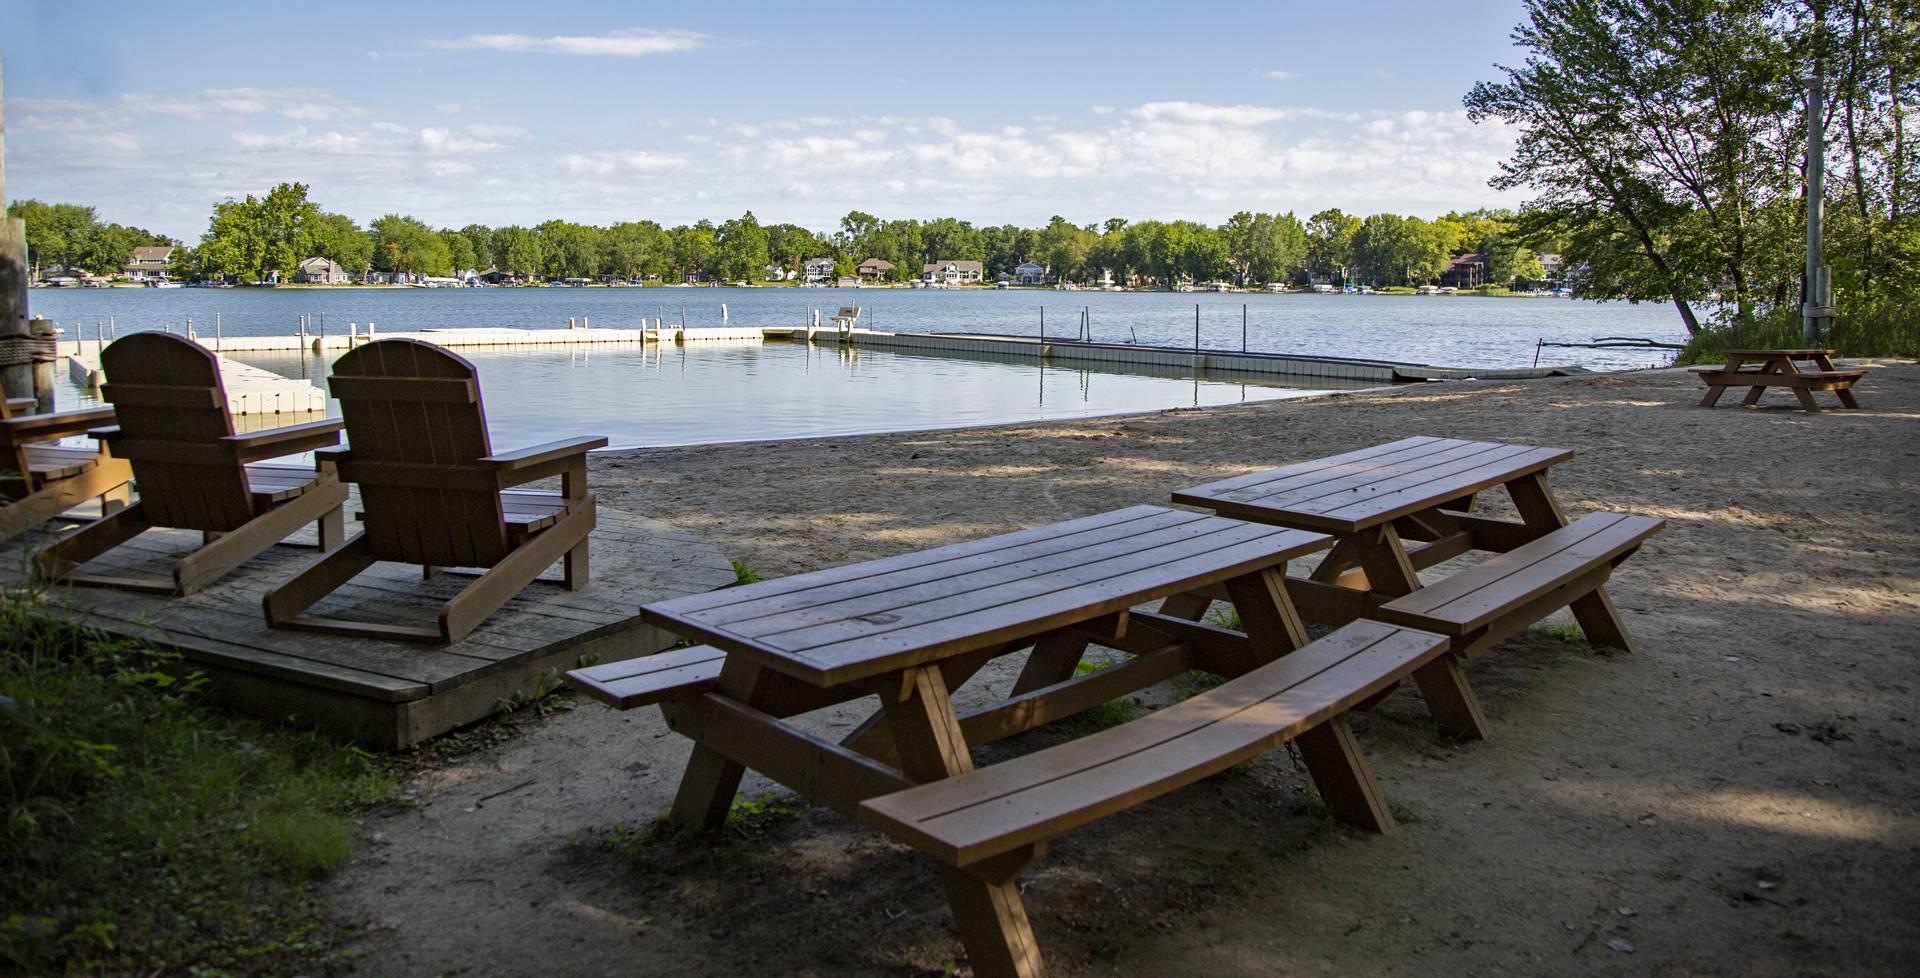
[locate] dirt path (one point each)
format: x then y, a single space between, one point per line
1739 798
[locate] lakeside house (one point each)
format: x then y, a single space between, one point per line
817 270
1465 272
873 269
953 273
1554 267
1030 273
149 263
321 271
849 282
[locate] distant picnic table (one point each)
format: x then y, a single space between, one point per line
1780 368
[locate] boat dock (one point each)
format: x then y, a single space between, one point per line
1048 350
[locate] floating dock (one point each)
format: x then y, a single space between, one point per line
1112 355
385 693
250 390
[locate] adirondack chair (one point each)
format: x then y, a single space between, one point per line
39 480
193 473
435 493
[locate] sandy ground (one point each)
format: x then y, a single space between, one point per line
1737 799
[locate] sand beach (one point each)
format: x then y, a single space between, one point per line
1738 798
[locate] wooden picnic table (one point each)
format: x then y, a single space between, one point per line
1780 368
1421 490
910 629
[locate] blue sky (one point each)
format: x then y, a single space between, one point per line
505 113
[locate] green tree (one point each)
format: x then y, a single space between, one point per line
691 248
951 239
53 230
516 251
407 246
480 242
459 250
638 250
1330 243
792 246
337 238
740 250
1264 247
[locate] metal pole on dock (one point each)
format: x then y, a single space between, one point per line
216 332
111 332
1196 327
1043 324
1243 327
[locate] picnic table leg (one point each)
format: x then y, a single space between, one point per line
1456 710
1599 620
1337 567
986 905
1341 773
1188 607
1713 394
1267 613
985 898
1054 659
711 779
1807 402
1845 394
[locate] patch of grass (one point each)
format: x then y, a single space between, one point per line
1883 329
1565 631
742 574
1404 812
1187 685
1112 713
1229 619
663 849
149 833
545 696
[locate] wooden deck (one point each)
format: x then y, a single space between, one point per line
384 693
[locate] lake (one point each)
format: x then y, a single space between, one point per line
706 393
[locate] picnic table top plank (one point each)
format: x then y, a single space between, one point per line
1352 496
1777 354
1042 795
971 580
865 628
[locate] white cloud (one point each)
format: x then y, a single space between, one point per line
307 104
448 107
1280 75
631 43
1164 160
1103 110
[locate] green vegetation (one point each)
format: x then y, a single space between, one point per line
742 574
148 833
1112 713
1882 329
73 236
1665 143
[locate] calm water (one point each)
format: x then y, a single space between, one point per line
712 393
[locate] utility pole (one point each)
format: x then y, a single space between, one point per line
1817 310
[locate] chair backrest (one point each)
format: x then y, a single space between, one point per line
416 431
172 413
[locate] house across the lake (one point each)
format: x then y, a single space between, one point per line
149 263
818 270
873 269
1465 272
1030 273
953 273
321 271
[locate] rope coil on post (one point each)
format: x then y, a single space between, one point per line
18 350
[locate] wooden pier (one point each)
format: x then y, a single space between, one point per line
393 694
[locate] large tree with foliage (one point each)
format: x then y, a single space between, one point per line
406 245
1330 243
740 250
1264 247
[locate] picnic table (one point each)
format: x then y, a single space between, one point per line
912 628
1780 368
1422 490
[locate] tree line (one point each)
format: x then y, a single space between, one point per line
73 236
1666 144
265 238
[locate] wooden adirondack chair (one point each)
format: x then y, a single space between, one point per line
193 473
40 481
434 494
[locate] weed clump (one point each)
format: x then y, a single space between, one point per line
147 832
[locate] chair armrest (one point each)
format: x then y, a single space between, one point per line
336 454
527 458
102 434
37 427
285 441
22 403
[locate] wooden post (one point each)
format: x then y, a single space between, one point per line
16 380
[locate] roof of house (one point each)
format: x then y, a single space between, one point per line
1030 264
1469 259
880 263
155 253
962 266
309 262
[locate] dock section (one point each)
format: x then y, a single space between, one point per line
385 693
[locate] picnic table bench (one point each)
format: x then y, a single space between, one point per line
1778 368
1422 490
910 629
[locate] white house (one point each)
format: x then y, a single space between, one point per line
953 273
1030 273
321 271
149 262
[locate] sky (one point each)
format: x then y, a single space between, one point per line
597 112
